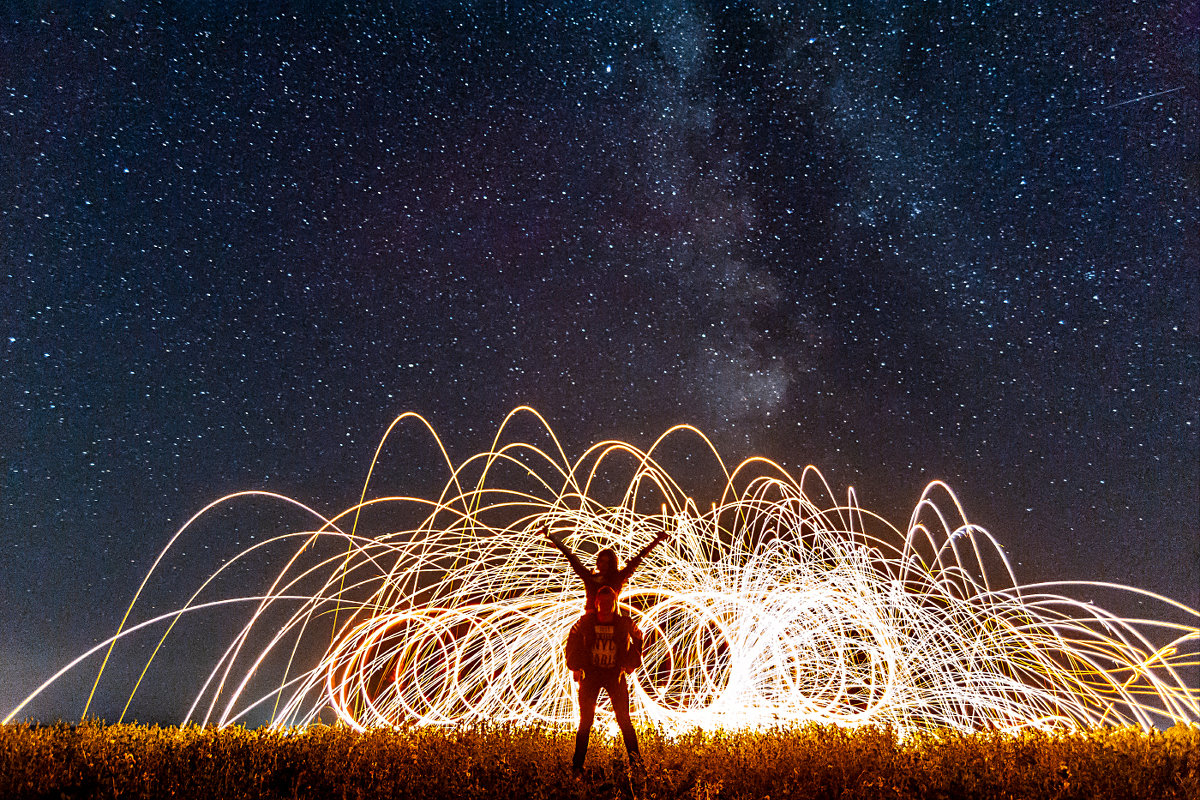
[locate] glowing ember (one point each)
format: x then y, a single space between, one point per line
776 604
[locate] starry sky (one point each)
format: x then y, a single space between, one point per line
897 240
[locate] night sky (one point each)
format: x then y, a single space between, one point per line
897 240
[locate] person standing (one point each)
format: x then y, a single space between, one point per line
603 647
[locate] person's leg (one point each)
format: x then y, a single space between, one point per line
618 692
589 690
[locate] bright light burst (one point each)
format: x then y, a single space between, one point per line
775 604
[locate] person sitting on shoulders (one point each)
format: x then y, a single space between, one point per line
608 571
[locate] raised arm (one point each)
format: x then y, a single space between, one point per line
576 564
637 560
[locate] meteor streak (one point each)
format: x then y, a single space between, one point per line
1142 97
777 604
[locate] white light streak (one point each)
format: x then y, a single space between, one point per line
779 604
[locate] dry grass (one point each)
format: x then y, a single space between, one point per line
130 761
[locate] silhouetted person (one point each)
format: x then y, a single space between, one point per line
608 572
602 648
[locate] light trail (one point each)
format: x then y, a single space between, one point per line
1142 97
778 605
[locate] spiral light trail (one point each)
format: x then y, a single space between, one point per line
776 604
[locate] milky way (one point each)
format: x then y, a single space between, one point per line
898 241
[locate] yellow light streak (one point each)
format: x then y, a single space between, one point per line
780 604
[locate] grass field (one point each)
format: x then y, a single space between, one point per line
130 761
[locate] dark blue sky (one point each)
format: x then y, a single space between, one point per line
900 241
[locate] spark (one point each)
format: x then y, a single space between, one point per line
779 604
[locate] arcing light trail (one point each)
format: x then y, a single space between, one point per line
777 604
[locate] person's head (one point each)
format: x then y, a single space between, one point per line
606 604
606 561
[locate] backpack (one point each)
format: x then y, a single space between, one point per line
579 643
